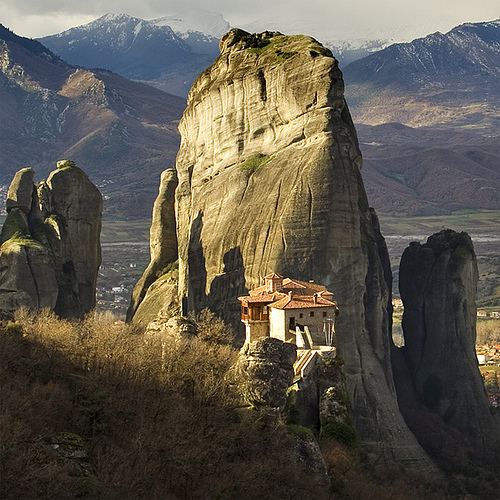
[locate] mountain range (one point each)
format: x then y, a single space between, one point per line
441 78
168 52
114 128
428 116
445 80
171 51
427 112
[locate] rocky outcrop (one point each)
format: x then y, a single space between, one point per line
439 383
263 374
20 192
163 251
26 276
264 371
51 252
269 175
75 206
320 400
175 327
161 297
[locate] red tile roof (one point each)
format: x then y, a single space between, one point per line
294 294
273 276
302 303
272 297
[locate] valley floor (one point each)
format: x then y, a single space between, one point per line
125 251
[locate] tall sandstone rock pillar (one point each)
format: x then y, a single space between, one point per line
440 389
163 251
50 249
269 175
76 206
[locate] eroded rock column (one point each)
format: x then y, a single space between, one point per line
440 388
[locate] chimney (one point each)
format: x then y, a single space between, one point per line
290 293
315 298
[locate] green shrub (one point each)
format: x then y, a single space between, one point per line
11 328
257 43
283 56
171 267
300 431
343 432
253 163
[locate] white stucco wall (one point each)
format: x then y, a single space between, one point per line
279 320
277 324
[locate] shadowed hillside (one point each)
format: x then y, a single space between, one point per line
424 171
122 133
88 412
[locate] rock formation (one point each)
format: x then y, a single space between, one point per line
438 379
320 400
269 180
264 371
174 327
21 191
263 374
26 275
163 251
161 298
50 250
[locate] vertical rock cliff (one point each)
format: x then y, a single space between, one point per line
163 251
50 243
439 385
269 173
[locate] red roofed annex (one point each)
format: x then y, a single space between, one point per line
285 308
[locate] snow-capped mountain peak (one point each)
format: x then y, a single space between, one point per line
211 24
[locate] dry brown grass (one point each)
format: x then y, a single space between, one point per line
159 421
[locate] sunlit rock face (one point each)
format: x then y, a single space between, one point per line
76 206
50 243
145 304
438 379
269 173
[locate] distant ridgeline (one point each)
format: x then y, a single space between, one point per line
50 242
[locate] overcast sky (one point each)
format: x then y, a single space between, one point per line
389 18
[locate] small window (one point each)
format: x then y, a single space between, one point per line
301 315
245 310
311 314
324 314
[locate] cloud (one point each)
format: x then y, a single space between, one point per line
42 17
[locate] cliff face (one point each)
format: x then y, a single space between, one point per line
163 251
438 375
77 206
269 180
50 244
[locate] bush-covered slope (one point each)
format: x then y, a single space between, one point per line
92 410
